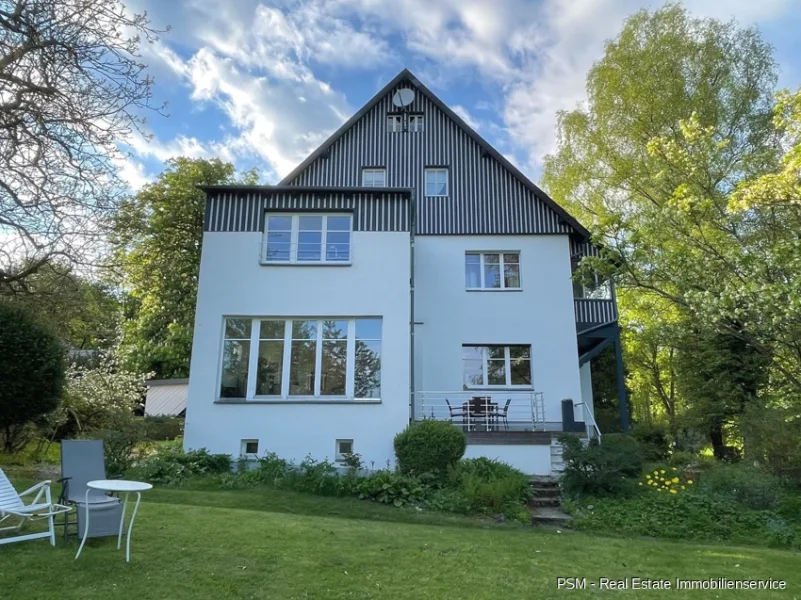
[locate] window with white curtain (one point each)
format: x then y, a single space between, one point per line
492 270
436 181
374 177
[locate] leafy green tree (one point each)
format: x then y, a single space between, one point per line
667 164
84 314
157 239
31 372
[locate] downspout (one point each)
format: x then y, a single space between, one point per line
412 226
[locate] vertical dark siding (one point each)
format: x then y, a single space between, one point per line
484 197
244 211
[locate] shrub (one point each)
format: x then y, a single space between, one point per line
387 487
691 516
743 484
429 447
120 442
653 439
682 459
772 436
171 465
160 429
600 469
31 372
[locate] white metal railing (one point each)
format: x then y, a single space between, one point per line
306 253
589 421
484 410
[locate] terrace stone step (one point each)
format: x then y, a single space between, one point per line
543 501
549 515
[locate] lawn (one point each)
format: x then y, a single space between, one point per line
281 545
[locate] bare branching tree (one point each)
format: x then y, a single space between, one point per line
72 87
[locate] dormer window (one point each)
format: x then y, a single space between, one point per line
307 238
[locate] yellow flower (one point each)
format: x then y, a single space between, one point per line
648 476
673 492
675 469
659 490
662 471
641 483
675 480
682 487
656 472
690 481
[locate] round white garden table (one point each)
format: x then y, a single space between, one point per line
120 486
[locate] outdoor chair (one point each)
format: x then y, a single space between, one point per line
456 413
503 414
82 462
13 508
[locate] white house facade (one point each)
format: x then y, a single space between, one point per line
404 271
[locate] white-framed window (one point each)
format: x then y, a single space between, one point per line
235 358
342 449
307 238
492 270
394 123
496 366
436 181
250 448
301 358
374 177
416 123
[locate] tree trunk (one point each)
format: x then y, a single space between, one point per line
716 437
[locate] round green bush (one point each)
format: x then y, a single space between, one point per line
429 447
31 370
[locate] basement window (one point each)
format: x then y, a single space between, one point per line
343 448
250 447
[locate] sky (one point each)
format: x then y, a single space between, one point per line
263 83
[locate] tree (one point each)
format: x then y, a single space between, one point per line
678 119
71 88
83 313
157 242
31 371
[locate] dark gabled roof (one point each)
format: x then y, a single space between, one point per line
407 75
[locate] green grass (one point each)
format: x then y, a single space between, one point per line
264 543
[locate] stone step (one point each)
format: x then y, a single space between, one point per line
541 501
549 515
546 492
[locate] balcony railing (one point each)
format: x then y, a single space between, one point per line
484 410
590 311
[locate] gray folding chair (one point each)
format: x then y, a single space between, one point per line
82 462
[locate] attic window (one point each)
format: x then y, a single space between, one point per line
415 123
394 123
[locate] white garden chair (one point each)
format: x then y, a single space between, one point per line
13 508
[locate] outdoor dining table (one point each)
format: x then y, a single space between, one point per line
481 408
119 486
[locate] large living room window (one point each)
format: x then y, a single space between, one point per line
301 359
307 238
496 366
492 270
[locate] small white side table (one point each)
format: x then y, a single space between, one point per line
120 486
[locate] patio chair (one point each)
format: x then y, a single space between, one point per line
82 462
12 507
456 413
503 414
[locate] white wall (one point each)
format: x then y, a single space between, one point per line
233 283
532 460
540 315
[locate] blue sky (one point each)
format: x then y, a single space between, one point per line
263 83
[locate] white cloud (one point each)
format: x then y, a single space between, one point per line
260 62
466 116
